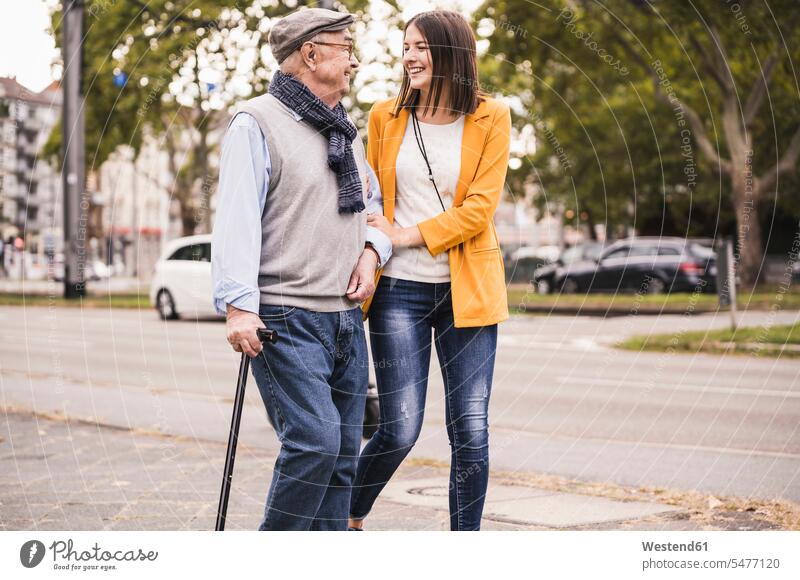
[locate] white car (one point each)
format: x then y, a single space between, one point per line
546 253
181 286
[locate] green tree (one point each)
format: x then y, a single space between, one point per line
669 114
170 70
164 69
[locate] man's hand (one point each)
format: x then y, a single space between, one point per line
362 280
241 329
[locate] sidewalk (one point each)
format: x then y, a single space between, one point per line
67 475
113 285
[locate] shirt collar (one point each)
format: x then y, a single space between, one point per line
294 113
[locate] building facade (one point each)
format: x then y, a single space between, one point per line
130 199
30 186
135 197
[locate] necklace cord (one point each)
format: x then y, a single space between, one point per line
421 146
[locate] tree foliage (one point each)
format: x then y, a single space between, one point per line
652 114
170 70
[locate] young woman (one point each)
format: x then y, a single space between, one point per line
440 150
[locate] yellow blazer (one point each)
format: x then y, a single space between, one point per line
466 230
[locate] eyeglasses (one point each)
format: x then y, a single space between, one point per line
350 47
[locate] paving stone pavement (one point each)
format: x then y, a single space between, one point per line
66 475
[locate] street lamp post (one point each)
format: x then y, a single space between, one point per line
76 203
136 231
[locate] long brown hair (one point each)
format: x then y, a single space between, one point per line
452 48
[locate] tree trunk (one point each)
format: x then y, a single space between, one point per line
749 251
591 226
188 217
203 213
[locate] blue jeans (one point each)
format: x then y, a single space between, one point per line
314 383
401 319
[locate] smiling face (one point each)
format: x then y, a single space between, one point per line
417 59
439 64
329 64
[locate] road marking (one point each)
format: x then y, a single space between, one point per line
156 390
687 388
39 345
580 344
681 446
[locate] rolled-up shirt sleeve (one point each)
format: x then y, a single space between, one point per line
379 240
236 239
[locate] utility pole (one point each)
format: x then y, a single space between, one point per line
726 279
76 202
135 229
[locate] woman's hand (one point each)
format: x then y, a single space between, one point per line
400 237
379 222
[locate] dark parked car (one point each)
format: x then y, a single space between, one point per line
652 265
523 262
544 277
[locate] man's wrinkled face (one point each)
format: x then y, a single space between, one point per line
337 64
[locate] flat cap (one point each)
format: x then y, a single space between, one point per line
291 31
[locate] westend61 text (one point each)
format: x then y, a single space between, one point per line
670 547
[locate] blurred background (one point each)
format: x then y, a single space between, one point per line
631 118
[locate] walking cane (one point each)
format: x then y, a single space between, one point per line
264 335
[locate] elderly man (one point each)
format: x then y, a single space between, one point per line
291 250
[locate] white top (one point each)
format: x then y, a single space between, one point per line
415 197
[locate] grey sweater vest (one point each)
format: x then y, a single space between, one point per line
308 249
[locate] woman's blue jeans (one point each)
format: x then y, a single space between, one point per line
401 318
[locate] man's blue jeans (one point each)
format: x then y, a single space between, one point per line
313 382
401 318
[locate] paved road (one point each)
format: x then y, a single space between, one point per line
563 401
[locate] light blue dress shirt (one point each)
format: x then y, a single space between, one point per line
236 241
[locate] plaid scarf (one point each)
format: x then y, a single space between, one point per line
335 125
